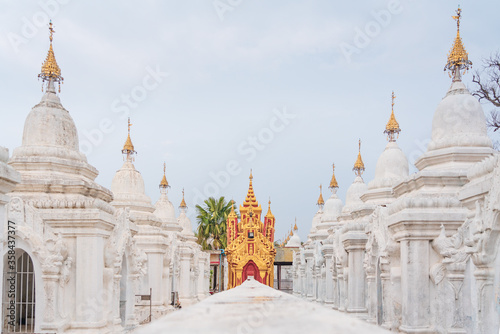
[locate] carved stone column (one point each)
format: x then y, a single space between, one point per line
455 275
386 316
486 312
354 244
371 288
415 286
328 251
341 273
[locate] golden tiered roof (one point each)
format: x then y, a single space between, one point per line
333 181
251 200
164 182
50 70
458 58
183 202
320 198
392 127
359 166
128 147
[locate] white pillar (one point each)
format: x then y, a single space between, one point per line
354 243
185 276
89 280
328 250
415 286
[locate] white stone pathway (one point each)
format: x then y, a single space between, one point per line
256 308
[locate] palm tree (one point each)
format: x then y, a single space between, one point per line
212 227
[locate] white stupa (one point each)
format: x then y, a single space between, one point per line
333 205
358 187
164 209
183 220
294 241
392 166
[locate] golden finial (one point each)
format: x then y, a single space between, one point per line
128 147
333 181
458 58
320 198
183 202
392 128
232 214
295 228
164 182
50 70
250 199
269 213
359 166
291 233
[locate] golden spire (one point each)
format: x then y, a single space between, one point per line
128 147
333 181
392 127
50 70
232 214
295 228
250 200
269 213
164 182
291 233
183 202
320 198
458 58
359 166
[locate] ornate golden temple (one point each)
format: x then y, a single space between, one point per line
250 243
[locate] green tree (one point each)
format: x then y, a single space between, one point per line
212 223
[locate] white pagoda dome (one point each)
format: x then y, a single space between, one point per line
128 185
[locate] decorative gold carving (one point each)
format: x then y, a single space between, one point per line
248 241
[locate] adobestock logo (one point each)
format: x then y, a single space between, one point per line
248 151
40 19
94 137
364 36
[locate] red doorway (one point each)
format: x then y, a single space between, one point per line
250 269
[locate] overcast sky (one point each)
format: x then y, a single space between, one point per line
215 88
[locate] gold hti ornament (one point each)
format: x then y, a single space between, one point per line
392 128
50 70
458 58
359 166
333 182
128 147
164 183
320 202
